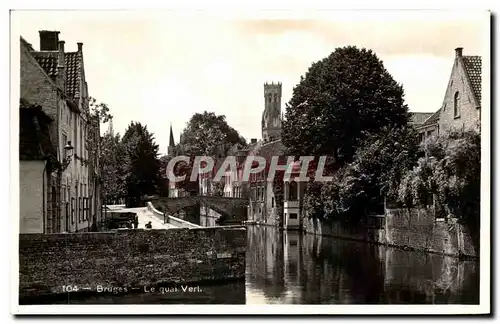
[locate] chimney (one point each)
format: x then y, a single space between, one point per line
458 51
48 40
80 45
61 73
253 141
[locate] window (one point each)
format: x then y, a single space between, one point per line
293 191
456 103
272 202
75 142
78 208
72 210
293 215
65 141
87 207
76 202
81 139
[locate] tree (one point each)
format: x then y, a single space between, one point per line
97 114
343 99
343 102
377 168
208 134
142 177
451 171
112 161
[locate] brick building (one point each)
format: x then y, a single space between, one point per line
461 106
55 102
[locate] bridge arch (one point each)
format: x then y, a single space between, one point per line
231 209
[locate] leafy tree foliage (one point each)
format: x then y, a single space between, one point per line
113 168
142 177
376 171
350 109
451 171
208 134
343 99
97 114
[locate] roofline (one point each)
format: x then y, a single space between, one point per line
52 82
478 105
436 112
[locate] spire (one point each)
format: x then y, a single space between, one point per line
171 142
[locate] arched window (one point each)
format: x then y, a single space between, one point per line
293 191
456 103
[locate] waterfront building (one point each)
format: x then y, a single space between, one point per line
461 106
59 179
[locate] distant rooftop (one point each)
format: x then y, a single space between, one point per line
418 118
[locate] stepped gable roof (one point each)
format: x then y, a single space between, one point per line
473 69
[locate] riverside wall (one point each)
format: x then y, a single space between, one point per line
414 229
127 259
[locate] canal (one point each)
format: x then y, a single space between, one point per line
289 268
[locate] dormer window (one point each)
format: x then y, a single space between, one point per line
456 103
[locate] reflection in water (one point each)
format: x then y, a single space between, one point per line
290 268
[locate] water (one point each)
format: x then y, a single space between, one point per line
289 268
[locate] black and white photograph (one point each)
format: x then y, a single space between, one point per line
337 162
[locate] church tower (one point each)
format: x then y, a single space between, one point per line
171 144
271 118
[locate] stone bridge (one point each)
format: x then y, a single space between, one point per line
233 210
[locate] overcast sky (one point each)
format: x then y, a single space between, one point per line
161 67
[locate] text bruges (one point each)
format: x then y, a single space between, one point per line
110 289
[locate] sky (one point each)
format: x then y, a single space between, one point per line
161 67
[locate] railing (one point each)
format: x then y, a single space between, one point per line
177 222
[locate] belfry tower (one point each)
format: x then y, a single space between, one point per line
271 117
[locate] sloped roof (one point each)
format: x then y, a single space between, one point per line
48 61
417 118
268 150
473 68
433 119
234 149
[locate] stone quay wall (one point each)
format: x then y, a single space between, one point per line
177 222
414 229
126 260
